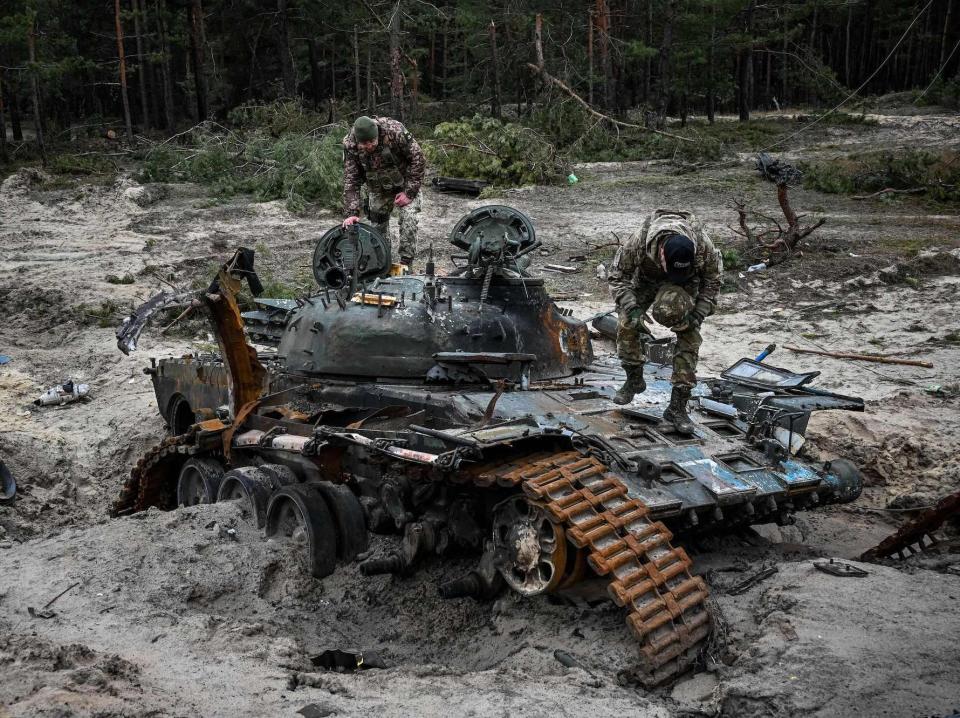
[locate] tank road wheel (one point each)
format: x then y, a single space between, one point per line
199 482
180 416
278 475
298 514
251 487
349 520
531 548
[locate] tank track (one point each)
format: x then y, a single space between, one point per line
666 605
915 531
148 483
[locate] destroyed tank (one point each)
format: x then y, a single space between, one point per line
468 413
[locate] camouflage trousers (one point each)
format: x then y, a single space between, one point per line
408 219
632 340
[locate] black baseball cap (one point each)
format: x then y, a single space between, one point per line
679 251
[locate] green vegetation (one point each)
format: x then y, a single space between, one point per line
87 164
273 160
115 279
487 149
731 259
933 175
107 314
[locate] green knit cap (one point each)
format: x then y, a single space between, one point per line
365 129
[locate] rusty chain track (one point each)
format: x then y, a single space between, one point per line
666 605
148 483
915 530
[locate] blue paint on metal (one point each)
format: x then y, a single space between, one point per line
796 474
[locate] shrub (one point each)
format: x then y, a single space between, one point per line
504 154
936 173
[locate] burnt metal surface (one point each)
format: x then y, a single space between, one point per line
8 485
469 413
353 339
354 254
459 185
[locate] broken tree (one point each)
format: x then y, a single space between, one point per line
770 239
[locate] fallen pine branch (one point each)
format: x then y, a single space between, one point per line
890 190
862 357
561 85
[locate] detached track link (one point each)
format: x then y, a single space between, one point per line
915 530
666 605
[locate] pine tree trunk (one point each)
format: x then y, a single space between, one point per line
745 79
943 35
866 43
648 75
665 71
602 16
124 96
4 157
166 75
767 81
784 67
357 91
371 102
710 90
445 59
198 40
316 83
846 47
35 90
333 83
396 71
495 69
413 107
432 65
141 65
590 59
283 47
13 102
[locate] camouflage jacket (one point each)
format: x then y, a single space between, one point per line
636 265
396 165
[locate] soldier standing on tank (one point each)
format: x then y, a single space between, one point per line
671 265
382 154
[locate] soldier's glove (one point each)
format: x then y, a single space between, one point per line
401 200
694 319
349 220
635 317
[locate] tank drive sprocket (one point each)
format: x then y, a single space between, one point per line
666 605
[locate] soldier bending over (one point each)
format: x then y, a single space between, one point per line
383 154
671 264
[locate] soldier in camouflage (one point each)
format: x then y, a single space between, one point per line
382 154
671 265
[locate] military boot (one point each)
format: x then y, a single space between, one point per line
407 261
676 413
633 385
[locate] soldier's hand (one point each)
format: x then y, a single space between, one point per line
693 320
401 200
350 220
635 317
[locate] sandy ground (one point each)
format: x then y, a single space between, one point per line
173 616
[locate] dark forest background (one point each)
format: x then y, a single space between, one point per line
71 69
